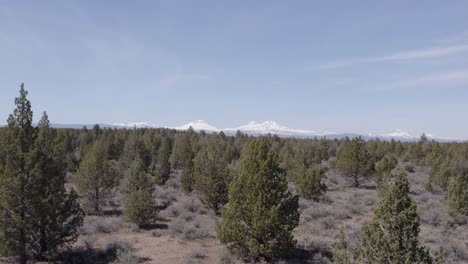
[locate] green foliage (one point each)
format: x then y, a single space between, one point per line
135 178
187 178
456 197
94 179
162 169
340 252
261 213
392 236
309 182
139 208
441 172
354 160
15 180
38 216
211 174
384 168
55 215
182 151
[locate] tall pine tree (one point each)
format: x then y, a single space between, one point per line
55 214
15 179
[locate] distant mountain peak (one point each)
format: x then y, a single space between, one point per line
197 125
142 124
256 128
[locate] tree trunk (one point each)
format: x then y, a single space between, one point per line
42 244
96 201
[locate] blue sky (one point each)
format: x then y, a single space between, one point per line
366 66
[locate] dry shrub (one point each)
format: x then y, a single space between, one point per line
100 224
165 195
192 205
190 230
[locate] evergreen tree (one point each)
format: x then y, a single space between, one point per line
55 215
182 151
135 178
354 160
309 182
384 168
340 251
187 178
15 180
139 208
261 213
456 197
211 174
162 170
93 178
392 236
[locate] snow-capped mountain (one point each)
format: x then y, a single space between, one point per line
401 135
270 127
144 124
197 125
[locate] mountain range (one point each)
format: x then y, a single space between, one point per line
269 127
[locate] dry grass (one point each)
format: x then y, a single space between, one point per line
185 233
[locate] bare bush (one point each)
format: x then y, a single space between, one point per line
100 224
192 205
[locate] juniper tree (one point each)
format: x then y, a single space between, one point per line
139 208
187 178
162 168
93 178
354 160
456 197
15 180
384 168
55 215
340 252
211 174
309 182
138 187
135 178
393 234
261 213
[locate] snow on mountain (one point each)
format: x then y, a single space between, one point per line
144 124
272 127
397 134
197 125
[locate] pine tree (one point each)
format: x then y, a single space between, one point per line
393 234
354 160
55 215
93 178
211 174
261 213
163 164
135 178
309 182
15 180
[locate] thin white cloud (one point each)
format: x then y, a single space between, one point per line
427 53
439 79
